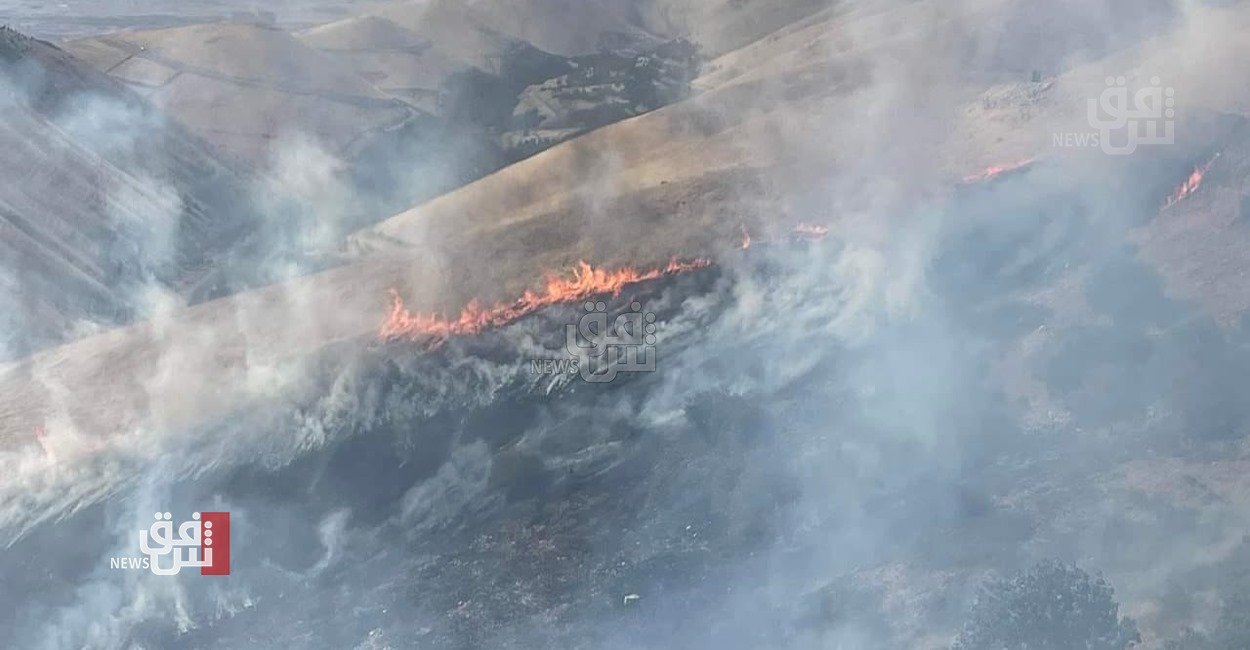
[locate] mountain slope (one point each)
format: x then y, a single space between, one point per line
101 212
564 27
242 85
978 367
722 26
682 181
685 181
396 60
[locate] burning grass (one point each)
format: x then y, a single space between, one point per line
1191 184
581 283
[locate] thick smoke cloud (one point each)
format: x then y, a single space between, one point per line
842 438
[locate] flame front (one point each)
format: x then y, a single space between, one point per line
585 281
997 170
1191 184
810 231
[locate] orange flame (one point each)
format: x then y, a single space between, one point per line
998 170
1191 184
585 281
810 231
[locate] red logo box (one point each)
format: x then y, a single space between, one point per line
215 536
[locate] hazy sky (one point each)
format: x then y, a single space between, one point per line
77 18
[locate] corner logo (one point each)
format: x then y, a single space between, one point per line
1139 122
203 542
1124 122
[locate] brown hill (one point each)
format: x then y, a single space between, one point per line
243 85
452 29
372 33
397 61
89 218
722 26
805 128
564 27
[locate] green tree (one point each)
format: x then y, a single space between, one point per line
1052 606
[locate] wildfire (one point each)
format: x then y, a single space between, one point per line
1191 184
810 231
584 281
581 283
997 170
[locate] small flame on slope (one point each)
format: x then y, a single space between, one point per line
810 231
1191 184
998 170
584 282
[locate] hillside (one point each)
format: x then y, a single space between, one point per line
694 174
385 94
564 27
723 26
244 85
397 61
94 220
918 342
